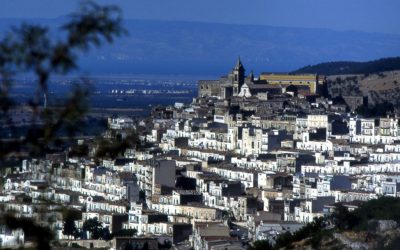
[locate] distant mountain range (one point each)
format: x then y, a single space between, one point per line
194 48
341 68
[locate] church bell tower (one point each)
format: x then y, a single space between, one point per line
238 77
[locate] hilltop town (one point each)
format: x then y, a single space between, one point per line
249 159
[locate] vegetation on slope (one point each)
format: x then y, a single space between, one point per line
348 67
33 49
380 91
358 227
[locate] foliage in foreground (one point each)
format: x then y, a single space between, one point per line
384 208
33 50
321 229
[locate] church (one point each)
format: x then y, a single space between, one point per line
226 86
237 84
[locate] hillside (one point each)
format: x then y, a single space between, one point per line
195 48
382 87
373 225
342 68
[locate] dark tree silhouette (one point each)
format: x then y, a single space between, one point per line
69 228
31 49
96 229
342 218
43 235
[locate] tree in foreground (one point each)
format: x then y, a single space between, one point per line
31 49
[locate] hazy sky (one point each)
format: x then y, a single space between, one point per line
365 15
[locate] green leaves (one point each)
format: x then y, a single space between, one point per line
93 25
43 235
31 49
96 229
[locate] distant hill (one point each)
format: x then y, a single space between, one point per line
346 68
196 48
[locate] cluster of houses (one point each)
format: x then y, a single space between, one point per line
247 160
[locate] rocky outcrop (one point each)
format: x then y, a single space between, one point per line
381 234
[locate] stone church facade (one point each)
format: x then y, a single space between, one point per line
236 84
226 86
